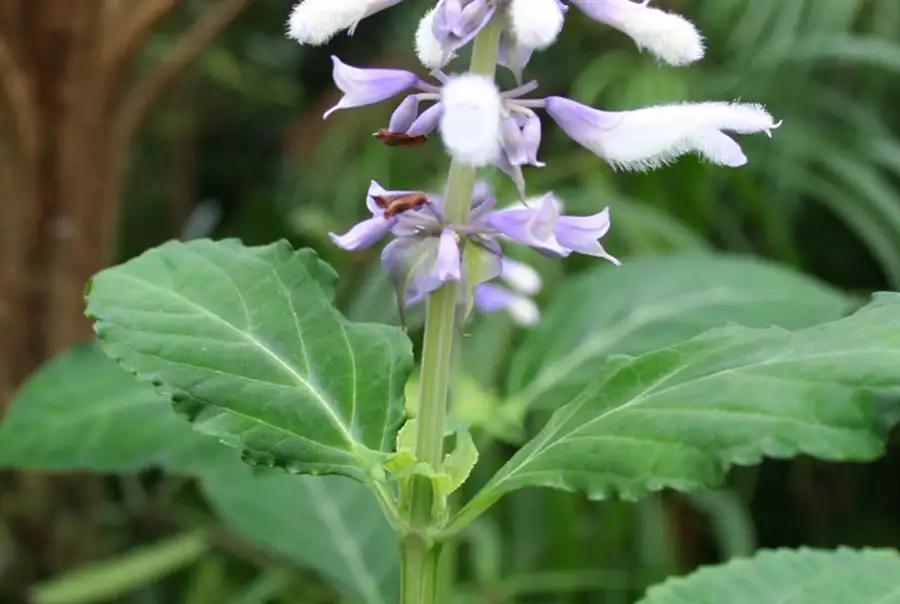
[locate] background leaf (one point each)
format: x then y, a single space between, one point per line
246 341
680 416
655 302
113 422
81 411
328 523
806 576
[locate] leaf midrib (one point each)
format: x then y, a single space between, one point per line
552 373
650 391
297 378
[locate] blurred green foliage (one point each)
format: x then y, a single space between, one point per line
244 129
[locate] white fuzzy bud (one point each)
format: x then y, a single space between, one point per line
670 37
315 22
520 276
470 124
536 23
524 311
428 47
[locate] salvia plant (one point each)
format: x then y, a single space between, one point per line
246 344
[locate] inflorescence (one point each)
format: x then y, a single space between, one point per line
481 125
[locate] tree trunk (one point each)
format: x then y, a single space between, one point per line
69 111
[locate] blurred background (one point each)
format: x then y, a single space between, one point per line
124 123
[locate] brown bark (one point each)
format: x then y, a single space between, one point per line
68 116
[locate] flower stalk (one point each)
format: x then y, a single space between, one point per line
419 551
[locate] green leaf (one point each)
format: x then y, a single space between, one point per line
126 573
247 343
82 411
656 302
328 523
805 576
680 416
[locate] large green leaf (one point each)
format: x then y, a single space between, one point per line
82 411
246 341
680 416
656 302
806 576
328 523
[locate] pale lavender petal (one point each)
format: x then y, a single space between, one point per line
364 234
531 137
448 259
457 23
405 114
582 233
427 122
514 57
482 200
529 226
367 86
512 142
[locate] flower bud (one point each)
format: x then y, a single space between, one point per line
536 23
317 21
470 123
428 48
670 37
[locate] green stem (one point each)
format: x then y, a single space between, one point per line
419 552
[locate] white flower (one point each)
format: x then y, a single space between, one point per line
670 37
536 23
651 137
317 21
470 124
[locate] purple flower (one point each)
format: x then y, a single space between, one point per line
532 227
654 136
582 234
426 250
366 233
368 86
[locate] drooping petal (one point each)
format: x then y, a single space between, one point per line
448 258
520 276
513 56
670 37
533 227
582 234
364 234
405 114
536 23
471 122
367 86
317 21
491 298
531 137
419 265
654 136
513 142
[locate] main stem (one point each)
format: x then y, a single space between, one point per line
420 554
